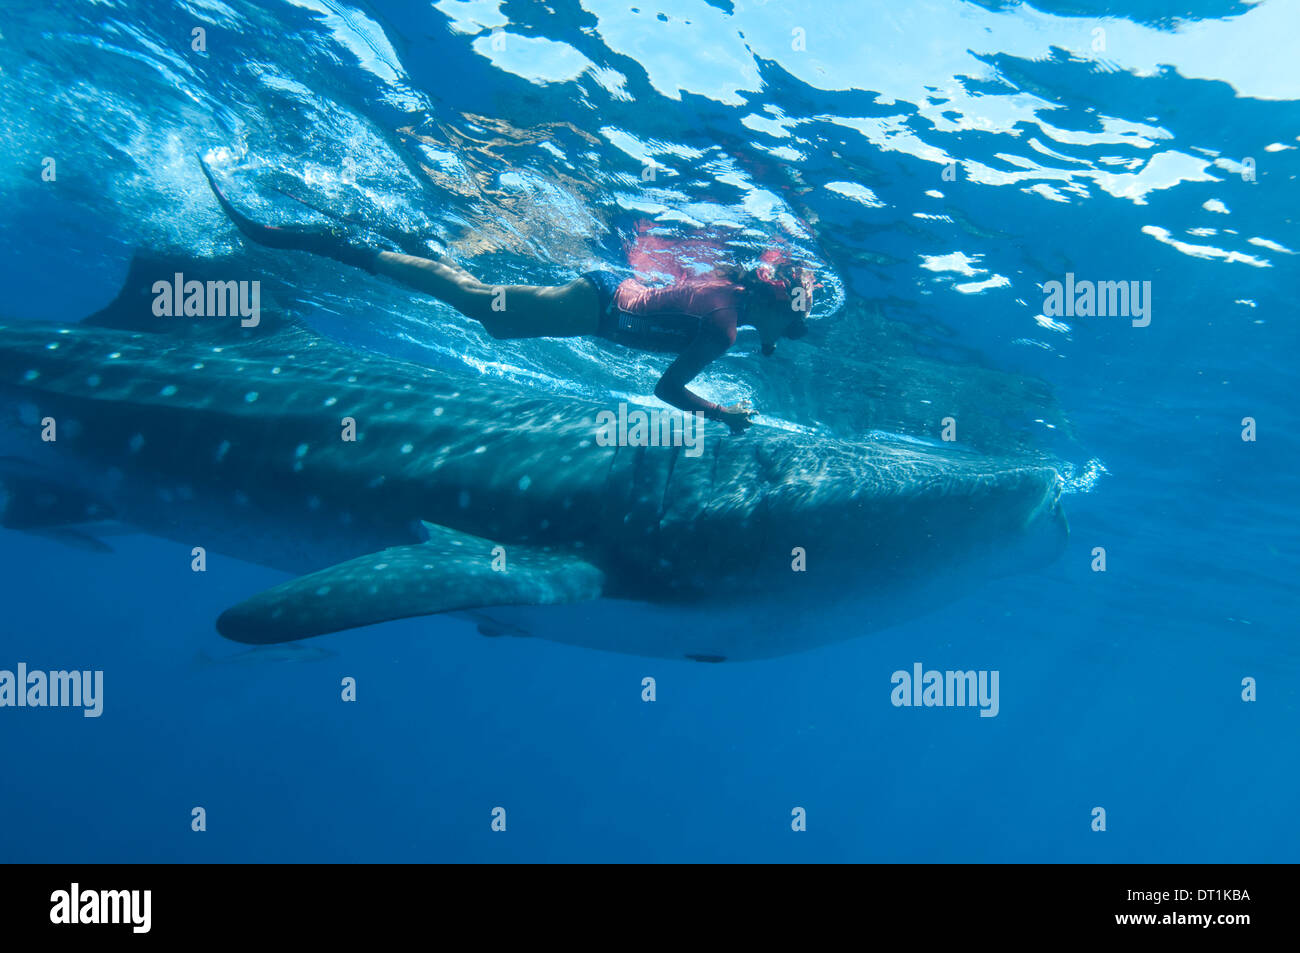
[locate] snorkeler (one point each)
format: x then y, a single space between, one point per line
695 318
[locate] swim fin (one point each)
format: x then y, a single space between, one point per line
332 241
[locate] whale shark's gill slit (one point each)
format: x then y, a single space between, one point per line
668 483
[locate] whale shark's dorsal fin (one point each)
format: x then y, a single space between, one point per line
133 308
449 571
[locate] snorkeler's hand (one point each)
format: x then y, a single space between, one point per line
739 417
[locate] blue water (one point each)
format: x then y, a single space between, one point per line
939 161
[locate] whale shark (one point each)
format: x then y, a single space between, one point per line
390 490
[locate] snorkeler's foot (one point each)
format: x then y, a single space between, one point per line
332 241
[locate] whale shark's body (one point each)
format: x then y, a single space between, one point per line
462 494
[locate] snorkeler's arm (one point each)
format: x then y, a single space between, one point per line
710 343
701 352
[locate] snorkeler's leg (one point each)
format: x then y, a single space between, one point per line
505 311
509 311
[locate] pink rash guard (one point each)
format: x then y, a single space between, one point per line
695 319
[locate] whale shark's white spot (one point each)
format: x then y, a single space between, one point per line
136 442
525 482
323 591
239 368
381 566
115 355
480 449
300 451
222 450
196 366
297 466
217 350
463 499
567 458
407 447
168 391
584 444
31 375
352 378
52 346
438 411
275 370
330 401
65 331
250 397
388 405
93 380
406 387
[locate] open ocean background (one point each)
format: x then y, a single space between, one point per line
517 135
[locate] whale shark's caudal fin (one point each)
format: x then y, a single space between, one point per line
450 571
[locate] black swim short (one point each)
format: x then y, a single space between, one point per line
668 333
605 283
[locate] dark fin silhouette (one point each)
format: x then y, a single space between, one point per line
133 308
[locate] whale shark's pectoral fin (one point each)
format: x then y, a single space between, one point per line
450 571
